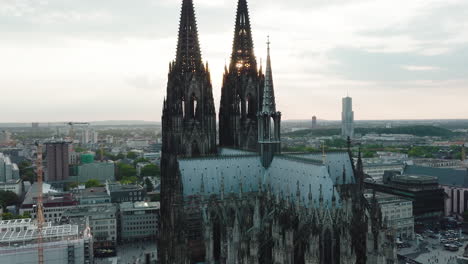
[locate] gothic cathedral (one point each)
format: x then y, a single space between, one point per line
244 201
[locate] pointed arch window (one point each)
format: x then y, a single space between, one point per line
238 104
327 251
216 238
184 110
193 106
195 149
250 105
272 127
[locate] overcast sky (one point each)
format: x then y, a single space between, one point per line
88 60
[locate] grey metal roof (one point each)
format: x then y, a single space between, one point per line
284 174
232 171
445 176
207 175
234 152
335 162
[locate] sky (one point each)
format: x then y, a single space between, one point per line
90 60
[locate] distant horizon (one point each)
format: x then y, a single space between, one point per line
285 120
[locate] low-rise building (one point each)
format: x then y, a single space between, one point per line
102 220
120 193
453 181
437 163
152 155
137 143
377 170
397 212
15 186
54 202
139 221
90 196
424 191
61 243
101 171
139 166
8 170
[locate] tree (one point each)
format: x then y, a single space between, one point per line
8 198
80 149
149 185
150 170
10 216
27 171
129 180
93 183
140 160
73 185
155 197
29 176
114 157
465 216
132 155
125 170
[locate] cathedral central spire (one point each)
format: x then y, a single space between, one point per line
188 57
269 105
269 132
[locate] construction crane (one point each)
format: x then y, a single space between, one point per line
39 205
72 131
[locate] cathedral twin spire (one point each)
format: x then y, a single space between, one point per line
244 94
243 57
188 57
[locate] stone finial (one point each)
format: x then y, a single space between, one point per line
321 194
202 185
310 192
298 191
222 186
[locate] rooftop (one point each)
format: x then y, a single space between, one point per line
50 196
445 176
384 198
95 191
117 187
90 210
139 205
245 173
415 179
30 233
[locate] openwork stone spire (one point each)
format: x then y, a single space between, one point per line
243 58
188 57
269 105
269 131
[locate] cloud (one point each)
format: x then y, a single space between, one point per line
144 82
420 68
118 50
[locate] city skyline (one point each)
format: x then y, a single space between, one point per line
88 61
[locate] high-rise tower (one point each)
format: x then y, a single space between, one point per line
242 89
188 129
347 118
269 137
57 161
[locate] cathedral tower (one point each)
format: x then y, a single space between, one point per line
242 89
189 119
269 137
188 130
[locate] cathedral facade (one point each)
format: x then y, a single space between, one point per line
244 201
